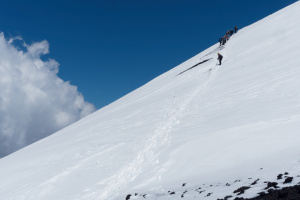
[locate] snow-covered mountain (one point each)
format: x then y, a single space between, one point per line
201 134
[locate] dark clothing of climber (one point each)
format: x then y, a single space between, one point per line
220 57
220 40
235 29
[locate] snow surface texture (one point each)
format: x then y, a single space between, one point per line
203 133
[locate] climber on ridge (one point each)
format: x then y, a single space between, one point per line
235 29
221 41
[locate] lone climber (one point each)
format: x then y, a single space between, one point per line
220 57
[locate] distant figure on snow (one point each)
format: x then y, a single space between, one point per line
235 29
220 57
228 35
224 40
231 32
220 40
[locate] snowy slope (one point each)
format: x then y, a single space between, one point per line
212 127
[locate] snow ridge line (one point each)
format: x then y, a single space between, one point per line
149 153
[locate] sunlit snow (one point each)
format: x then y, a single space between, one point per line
205 132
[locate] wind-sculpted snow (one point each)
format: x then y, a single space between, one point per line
213 132
204 61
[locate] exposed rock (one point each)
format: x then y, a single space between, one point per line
288 193
271 191
282 194
239 198
208 194
227 197
288 180
183 194
255 182
261 194
271 184
241 190
128 197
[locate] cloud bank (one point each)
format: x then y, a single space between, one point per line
34 101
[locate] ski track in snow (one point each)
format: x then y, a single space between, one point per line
149 153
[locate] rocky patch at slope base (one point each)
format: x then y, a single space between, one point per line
271 191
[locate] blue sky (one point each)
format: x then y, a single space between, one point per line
110 48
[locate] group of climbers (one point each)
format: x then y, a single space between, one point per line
224 39
227 36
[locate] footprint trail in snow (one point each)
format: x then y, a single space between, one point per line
152 145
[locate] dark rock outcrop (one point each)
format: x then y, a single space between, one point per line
128 197
288 180
255 182
241 190
271 184
287 193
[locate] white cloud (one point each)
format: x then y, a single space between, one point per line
11 40
37 49
34 101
